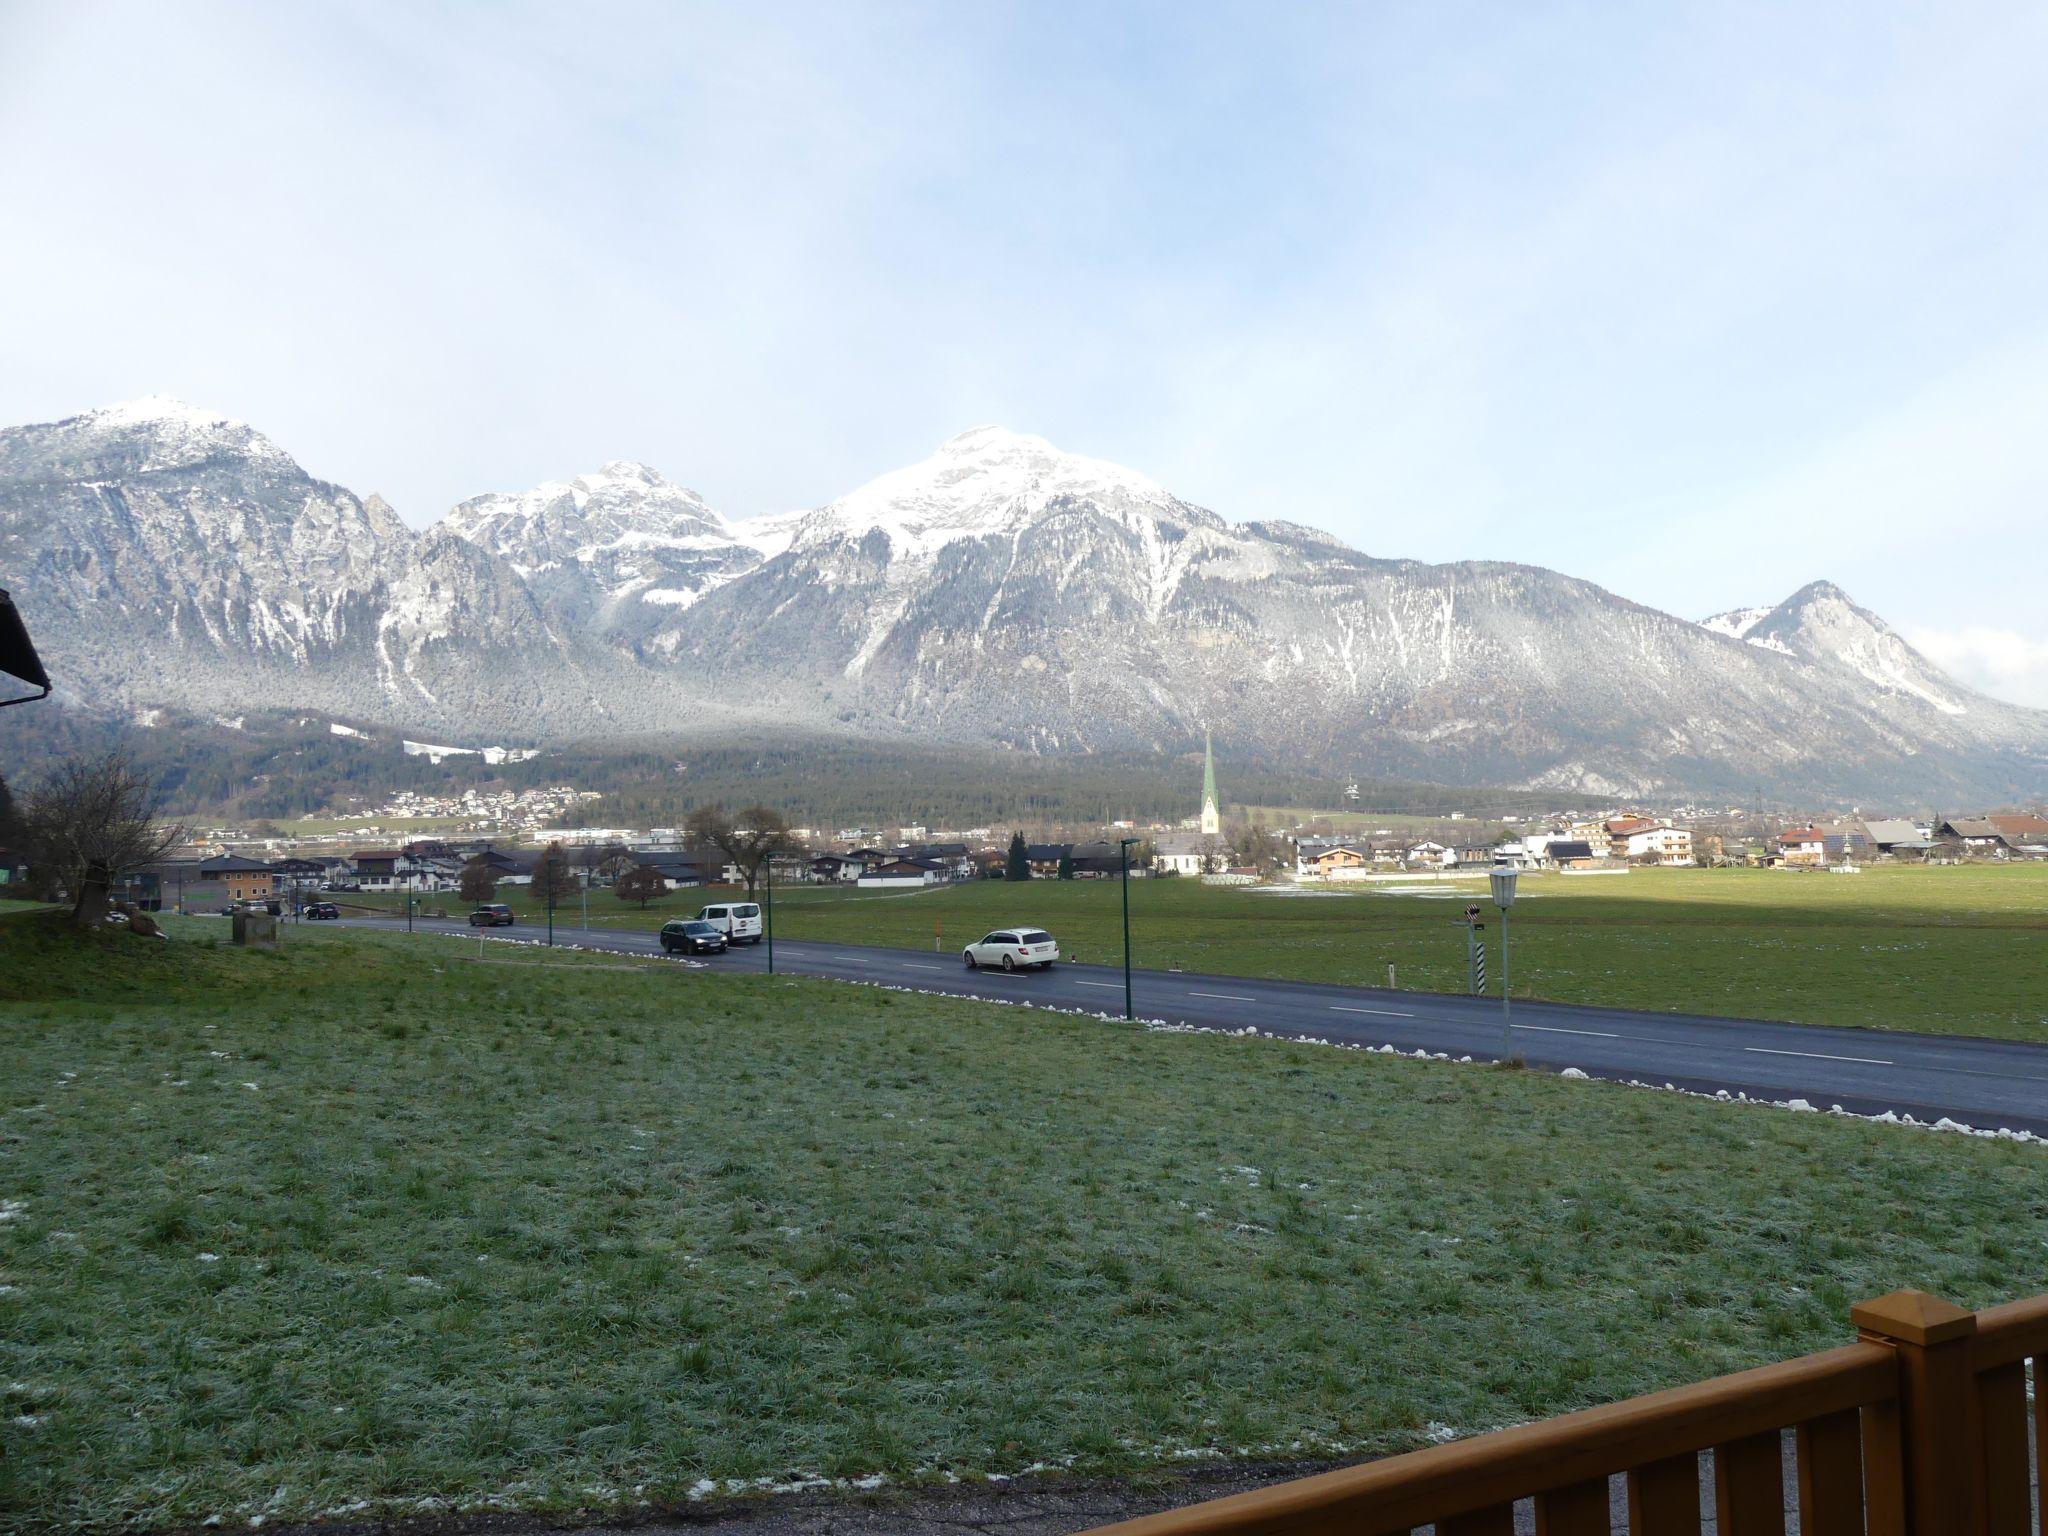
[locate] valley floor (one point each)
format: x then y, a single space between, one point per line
1960 950
359 1227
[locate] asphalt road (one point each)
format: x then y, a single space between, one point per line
1989 1084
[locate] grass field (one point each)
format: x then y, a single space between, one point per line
1959 950
369 1219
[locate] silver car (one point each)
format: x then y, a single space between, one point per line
1012 949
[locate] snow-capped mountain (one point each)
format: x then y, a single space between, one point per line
171 556
612 548
1000 590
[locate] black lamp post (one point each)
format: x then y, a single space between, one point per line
768 911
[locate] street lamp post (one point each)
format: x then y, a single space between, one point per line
768 911
552 868
1502 879
1123 849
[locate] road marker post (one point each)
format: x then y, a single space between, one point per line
1124 855
1502 879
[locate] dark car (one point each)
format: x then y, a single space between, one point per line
322 912
496 915
693 936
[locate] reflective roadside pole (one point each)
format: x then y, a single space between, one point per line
1124 854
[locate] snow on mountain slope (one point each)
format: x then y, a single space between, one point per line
598 546
170 556
984 483
1820 624
999 590
1741 624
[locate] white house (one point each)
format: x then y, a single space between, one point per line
1183 853
1666 843
906 874
1803 846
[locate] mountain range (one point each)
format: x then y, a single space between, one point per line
999 592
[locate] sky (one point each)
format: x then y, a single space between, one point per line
1698 302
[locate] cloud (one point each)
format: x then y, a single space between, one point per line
2001 662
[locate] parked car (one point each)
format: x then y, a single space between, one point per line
322 912
1013 949
693 936
496 915
739 921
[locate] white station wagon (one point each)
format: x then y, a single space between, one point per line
1013 949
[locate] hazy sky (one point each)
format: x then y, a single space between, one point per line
1700 303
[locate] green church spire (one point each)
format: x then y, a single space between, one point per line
1212 808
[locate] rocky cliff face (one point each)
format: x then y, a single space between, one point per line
1000 590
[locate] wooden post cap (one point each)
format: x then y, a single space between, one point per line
1912 1317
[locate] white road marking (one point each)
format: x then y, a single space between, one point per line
1114 986
1390 1013
918 965
1553 1029
1873 1061
1227 997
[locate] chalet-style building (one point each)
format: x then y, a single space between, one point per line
245 879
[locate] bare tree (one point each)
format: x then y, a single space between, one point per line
616 863
93 820
478 883
748 840
553 880
640 884
1252 845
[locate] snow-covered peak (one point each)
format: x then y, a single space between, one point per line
1821 623
623 534
159 410
621 505
154 433
984 482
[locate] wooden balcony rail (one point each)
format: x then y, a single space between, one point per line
1920 1428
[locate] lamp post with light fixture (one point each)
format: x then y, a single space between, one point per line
1502 878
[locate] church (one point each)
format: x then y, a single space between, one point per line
1212 813
1182 853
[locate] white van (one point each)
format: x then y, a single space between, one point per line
739 921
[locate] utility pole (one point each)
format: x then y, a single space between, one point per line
1124 854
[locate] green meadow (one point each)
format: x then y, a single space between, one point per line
371 1221
1959 950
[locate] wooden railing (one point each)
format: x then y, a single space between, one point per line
1920 1428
